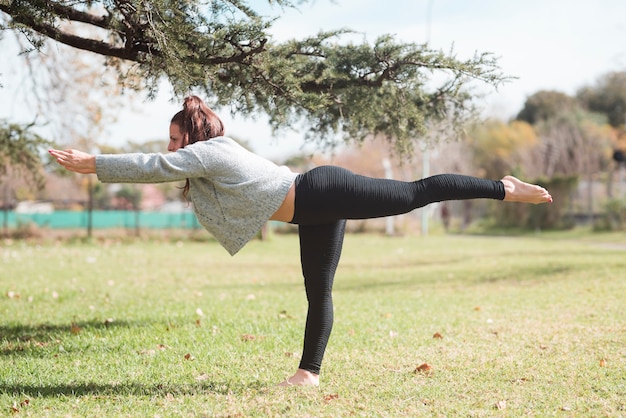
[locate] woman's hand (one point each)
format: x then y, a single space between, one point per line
74 160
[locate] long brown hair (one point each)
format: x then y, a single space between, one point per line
197 122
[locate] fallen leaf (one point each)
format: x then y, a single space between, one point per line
602 363
189 357
437 336
423 368
500 405
202 377
331 397
477 308
12 295
162 347
108 322
250 337
284 315
74 328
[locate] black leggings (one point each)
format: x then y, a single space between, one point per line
327 196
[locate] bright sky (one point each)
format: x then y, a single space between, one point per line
548 44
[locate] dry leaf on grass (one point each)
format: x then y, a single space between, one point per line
74 328
437 336
423 368
284 315
15 408
250 337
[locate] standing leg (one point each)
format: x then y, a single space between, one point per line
320 250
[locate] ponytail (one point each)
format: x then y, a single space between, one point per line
197 122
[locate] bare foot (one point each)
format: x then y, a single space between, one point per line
516 190
302 378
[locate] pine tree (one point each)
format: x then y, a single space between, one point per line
224 49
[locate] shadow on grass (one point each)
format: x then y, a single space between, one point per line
21 338
127 389
522 274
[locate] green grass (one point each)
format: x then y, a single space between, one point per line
531 326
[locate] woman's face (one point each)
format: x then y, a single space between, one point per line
176 138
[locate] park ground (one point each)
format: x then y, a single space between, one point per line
444 325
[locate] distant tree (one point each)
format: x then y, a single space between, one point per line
571 144
544 105
129 196
21 149
20 156
607 96
498 148
224 49
574 145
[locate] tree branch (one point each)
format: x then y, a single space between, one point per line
78 16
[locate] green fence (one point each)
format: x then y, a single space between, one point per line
102 219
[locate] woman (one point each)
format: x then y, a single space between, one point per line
234 192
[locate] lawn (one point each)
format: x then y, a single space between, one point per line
442 325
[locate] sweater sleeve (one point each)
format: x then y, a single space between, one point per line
150 168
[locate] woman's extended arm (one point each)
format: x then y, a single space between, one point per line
135 167
74 160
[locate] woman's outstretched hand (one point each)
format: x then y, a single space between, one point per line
74 160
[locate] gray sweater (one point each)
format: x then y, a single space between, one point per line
234 192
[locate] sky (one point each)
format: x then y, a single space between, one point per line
546 44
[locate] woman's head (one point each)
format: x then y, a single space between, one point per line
196 122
